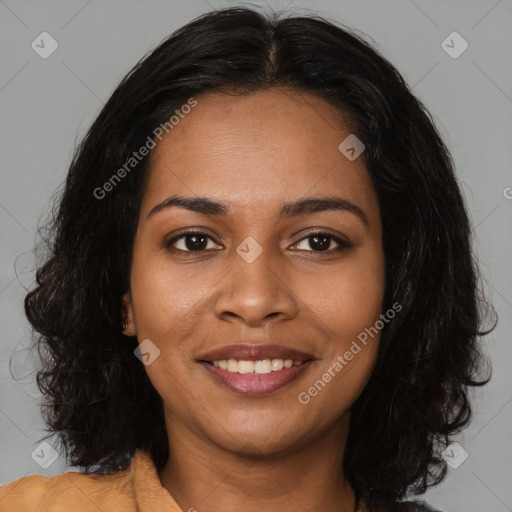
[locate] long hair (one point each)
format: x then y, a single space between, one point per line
98 397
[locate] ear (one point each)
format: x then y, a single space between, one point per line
128 316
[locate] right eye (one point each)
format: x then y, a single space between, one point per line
190 241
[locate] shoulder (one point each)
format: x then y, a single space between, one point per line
68 491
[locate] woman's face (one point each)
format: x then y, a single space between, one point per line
256 276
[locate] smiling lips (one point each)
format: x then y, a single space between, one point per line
255 369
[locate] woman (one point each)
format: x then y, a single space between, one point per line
262 293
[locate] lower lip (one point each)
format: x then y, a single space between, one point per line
255 384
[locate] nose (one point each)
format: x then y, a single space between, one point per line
256 292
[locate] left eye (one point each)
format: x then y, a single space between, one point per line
321 242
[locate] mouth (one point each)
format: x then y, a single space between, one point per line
249 382
255 369
258 367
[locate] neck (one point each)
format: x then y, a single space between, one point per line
202 476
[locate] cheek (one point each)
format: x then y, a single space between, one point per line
348 300
165 295
347 310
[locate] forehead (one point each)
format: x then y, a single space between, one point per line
258 149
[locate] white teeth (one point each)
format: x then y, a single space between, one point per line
277 364
263 366
246 366
255 367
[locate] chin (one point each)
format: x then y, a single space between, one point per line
255 440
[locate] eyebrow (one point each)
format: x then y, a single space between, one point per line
308 205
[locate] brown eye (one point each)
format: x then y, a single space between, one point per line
190 241
321 242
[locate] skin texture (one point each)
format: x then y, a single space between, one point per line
270 452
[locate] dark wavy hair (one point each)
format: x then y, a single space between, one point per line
98 397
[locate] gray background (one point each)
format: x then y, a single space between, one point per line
46 105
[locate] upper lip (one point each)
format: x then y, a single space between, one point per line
254 352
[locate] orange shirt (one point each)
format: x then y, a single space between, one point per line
136 489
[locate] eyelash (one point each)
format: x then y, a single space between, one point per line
342 244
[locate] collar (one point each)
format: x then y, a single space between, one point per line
150 495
